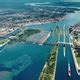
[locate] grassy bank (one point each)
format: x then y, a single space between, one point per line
48 70
21 36
4 41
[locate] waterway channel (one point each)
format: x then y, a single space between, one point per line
25 61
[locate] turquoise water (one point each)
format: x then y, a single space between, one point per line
63 61
70 19
25 61
1 38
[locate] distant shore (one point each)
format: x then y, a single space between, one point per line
36 22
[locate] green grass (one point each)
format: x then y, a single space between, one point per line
21 36
48 71
78 60
3 41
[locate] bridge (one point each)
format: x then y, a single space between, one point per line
50 44
56 43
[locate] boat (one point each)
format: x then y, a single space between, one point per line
40 44
69 70
34 43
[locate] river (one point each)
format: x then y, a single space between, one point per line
25 61
63 61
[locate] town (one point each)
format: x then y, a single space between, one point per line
40 42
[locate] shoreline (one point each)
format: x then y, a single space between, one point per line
49 75
74 57
36 23
45 38
3 44
42 22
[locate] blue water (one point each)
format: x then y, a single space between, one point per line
69 56
37 57
25 61
12 33
63 61
61 70
70 19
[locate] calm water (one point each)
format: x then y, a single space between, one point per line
63 61
70 19
25 61
30 57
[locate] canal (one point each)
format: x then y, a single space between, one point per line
63 61
25 61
